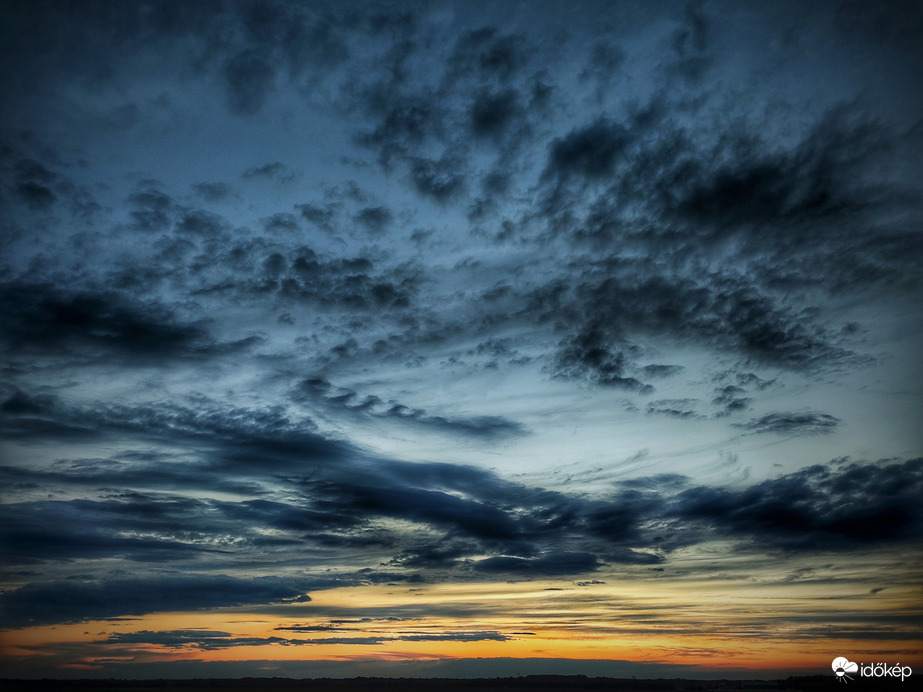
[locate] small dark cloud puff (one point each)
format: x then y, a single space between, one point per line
275 171
375 219
34 184
589 152
282 222
213 192
153 210
676 408
730 398
319 215
438 179
493 112
808 423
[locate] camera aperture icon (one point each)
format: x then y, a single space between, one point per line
841 666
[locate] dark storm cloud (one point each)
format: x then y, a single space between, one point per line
726 311
27 417
154 527
42 318
458 514
255 439
824 507
73 601
158 528
806 192
808 423
252 441
257 445
626 556
818 508
470 517
442 554
339 502
350 401
130 469
588 355
254 446
202 258
816 194
803 214
18 403
82 529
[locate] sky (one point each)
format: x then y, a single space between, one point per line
460 338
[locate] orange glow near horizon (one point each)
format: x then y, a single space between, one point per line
707 623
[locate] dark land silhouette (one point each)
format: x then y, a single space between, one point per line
530 683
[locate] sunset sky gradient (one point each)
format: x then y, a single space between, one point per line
460 338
